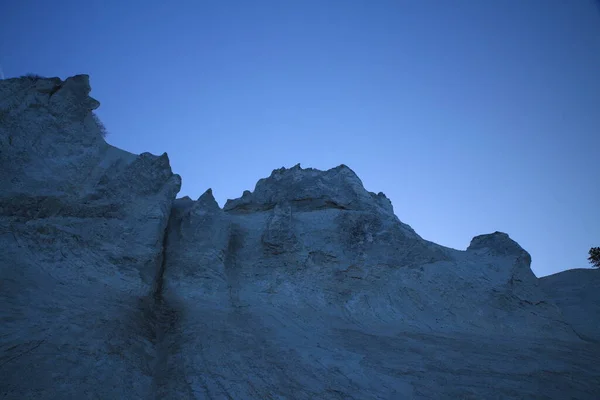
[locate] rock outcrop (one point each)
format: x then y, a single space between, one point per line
308 287
81 231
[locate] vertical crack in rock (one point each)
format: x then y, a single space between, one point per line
232 266
163 319
157 291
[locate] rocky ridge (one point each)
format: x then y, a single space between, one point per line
307 287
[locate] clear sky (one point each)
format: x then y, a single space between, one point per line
472 116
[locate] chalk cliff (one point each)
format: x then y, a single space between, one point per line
308 287
81 230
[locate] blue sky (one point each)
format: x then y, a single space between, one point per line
472 116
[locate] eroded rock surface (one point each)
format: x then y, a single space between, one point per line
81 233
303 291
308 287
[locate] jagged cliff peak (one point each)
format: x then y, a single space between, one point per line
310 189
498 243
70 97
52 145
207 202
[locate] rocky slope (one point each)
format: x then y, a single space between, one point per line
577 293
309 287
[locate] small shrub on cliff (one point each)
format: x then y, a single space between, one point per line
594 257
100 124
33 77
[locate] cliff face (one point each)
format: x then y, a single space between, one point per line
317 240
308 287
81 232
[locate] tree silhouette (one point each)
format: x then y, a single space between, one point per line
594 257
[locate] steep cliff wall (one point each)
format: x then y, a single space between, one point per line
81 233
310 287
312 239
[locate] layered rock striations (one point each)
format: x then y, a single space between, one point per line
308 287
